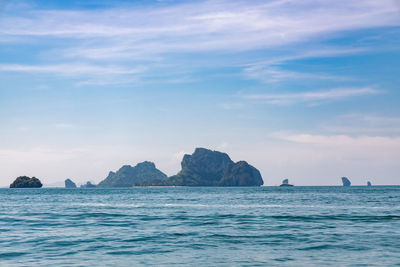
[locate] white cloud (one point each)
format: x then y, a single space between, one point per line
200 26
331 94
272 69
342 140
362 124
318 159
143 37
72 69
274 74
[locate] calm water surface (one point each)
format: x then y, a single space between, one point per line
299 226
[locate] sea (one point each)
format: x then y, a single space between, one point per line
201 226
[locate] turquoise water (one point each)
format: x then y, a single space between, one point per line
267 226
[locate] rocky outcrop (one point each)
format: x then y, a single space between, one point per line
346 181
69 184
369 183
211 168
26 182
88 185
128 176
285 182
242 174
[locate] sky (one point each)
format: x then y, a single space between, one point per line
305 90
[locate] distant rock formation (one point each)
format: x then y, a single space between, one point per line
346 181
128 176
285 182
369 183
88 185
26 182
69 184
211 168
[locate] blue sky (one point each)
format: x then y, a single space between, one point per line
305 90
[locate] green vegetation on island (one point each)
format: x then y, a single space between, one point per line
128 176
211 168
26 182
69 184
203 168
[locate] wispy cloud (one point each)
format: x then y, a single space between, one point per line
341 140
362 124
273 69
138 35
311 96
73 69
316 158
200 26
268 73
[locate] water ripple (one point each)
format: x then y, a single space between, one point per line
317 226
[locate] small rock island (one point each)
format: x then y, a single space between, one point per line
128 176
346 181
285 182
69 184
211 168
26 182
88 185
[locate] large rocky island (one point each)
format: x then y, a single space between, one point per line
128 176
26 182
210 168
